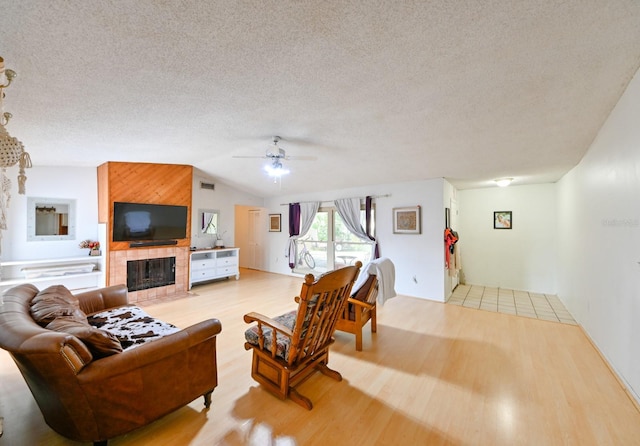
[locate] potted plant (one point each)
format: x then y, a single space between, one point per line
94 247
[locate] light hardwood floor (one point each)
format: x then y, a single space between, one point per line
433 374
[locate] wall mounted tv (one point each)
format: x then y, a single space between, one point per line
139 221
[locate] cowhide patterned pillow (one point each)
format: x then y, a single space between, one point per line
131 325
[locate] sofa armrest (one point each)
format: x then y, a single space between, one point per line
49 345
103 298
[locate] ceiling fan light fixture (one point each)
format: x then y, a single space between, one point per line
276 170
503 182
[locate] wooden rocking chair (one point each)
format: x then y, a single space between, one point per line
302 337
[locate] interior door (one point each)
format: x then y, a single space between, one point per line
255 239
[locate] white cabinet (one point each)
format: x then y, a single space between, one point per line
76 273
210 264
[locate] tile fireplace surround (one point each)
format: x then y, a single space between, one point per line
118 271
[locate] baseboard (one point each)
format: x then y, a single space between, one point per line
635 399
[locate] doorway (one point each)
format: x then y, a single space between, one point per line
250 227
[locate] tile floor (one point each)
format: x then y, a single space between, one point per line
521 303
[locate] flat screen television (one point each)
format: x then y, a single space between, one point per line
140 221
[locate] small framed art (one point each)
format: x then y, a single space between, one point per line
406 220
274 222
502 220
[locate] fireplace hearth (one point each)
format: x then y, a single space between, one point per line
150 273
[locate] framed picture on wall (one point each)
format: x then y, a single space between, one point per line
274 222
502 220
406 220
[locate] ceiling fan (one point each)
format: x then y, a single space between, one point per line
276 154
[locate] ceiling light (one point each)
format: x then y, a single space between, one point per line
503 182
276 169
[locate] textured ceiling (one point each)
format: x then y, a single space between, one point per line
377 91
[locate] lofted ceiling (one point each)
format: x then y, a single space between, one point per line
377 91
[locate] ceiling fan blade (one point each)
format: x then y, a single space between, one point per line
276 153
301 158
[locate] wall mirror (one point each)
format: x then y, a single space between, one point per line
209 221
51 219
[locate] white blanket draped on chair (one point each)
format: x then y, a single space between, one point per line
385 271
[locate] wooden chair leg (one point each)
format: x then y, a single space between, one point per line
207 399
374 324
358 334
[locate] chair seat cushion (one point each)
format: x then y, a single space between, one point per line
282 342
131 325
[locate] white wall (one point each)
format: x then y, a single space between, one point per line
521 258
418 258
79 183
599 239
223 198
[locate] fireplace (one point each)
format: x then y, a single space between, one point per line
118 266
151 273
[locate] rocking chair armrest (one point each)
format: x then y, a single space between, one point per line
360 303
264 320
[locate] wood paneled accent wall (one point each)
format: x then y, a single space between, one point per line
143 183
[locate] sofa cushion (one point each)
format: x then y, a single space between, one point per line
101 343
52 302
60 292
131 325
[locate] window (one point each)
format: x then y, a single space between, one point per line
329 244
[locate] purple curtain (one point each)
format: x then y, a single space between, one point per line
367 212
294 229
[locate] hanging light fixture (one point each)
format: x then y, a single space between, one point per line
276 169
11 149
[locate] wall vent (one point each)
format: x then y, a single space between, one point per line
209 186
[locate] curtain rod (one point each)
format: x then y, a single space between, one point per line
331 201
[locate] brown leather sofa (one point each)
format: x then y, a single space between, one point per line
94 400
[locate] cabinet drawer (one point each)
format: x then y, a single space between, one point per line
227 261
203 275
225 271
203 264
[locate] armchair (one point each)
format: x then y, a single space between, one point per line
376 284
289 348
361 308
